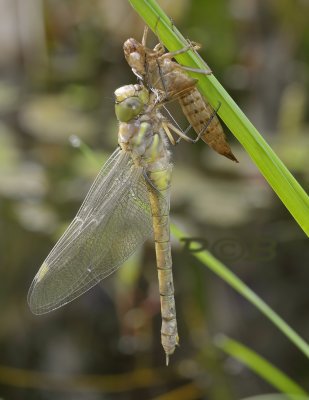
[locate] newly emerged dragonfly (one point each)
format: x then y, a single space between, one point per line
128 202
156 69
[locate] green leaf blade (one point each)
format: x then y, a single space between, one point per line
216 266
261 367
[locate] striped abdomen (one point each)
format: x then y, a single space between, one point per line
174 83
198 113
159 200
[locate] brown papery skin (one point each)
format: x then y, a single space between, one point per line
159 72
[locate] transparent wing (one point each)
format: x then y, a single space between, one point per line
114 219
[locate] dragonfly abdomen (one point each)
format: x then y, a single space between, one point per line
159 201
199 113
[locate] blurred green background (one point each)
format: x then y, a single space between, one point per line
60 62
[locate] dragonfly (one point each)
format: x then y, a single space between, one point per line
128 203
170 80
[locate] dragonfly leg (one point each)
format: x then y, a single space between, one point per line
174 124
145 33
194 46
182 135
207 123
185 133
196 70
165 126
162 79
190 46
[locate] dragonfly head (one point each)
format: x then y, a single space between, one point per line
135 55
130 101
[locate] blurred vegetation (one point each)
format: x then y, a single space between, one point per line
60 62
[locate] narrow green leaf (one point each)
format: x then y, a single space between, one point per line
228 276
262 367
275 396
278 176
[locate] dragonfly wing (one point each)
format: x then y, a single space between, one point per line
114 219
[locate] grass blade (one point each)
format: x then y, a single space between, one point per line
228 276
261 367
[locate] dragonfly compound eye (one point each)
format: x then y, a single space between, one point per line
128 109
